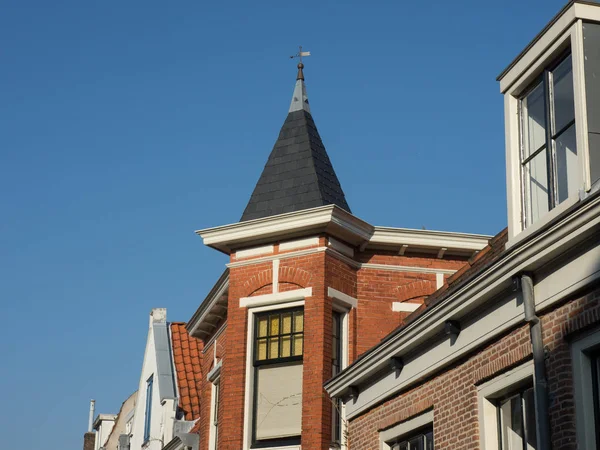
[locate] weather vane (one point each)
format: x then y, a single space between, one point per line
300 54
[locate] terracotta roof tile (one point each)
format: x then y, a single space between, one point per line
186 351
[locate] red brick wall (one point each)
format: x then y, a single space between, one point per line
371 321
452 393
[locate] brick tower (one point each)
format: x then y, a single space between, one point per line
309 288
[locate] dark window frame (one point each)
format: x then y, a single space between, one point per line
148 416
551 135
292 440
498 402
337 319
405 439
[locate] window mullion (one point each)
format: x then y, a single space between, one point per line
550 160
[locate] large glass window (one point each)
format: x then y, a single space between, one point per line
549 156
516 421
278 353
422 440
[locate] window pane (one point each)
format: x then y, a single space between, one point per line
416 443
529 405
286 346
298 344
298 321
511 423
534 120
536 180
562 86
262 350
566 164
274 348
286 323
429 441
274 331
262 327
278 401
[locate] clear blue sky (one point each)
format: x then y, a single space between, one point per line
125 126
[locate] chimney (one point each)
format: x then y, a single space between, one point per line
91 418
89 440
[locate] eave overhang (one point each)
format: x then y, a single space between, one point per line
428 240
576 225
340 224
212 310
573 11
329 219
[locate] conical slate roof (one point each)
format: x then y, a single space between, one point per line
298 174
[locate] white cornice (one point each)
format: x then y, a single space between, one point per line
330 218
398 237
340 224
540 249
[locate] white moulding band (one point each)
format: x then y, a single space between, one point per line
345 299
279 297
405 306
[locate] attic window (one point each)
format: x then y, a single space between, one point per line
549 157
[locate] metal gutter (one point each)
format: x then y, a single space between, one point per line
475 292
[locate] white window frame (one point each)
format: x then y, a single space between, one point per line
582 385
343 306
486 395
571 38
214 376
404 429
249 384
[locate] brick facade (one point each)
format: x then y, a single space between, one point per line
452 393
373 318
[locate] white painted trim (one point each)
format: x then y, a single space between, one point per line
336 222
343 258
341 247
406 268
215 372
213 430
405 306
273 299
330 218
402 250
487 392
439 280
582 382
275 276
299 243
346 300
428 238
281 256
255 251
441 252
249 379
404 428
581 122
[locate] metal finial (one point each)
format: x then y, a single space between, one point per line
300 73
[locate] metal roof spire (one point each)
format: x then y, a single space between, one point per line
299 99
298 174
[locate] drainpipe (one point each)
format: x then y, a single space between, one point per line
540 387
91 418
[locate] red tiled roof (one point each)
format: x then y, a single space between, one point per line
187 352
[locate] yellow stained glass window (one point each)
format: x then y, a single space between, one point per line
286 323
299 321
274 319
262 349
279 335
286 346
274 348
298 344
262 327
